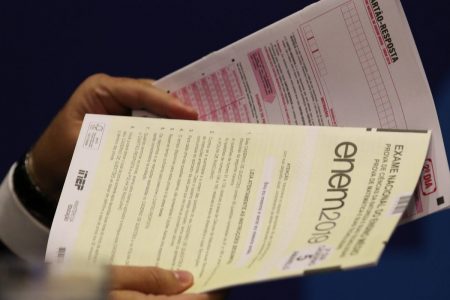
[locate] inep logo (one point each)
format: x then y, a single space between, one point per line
81 179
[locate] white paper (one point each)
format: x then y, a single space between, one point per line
233 203
336 63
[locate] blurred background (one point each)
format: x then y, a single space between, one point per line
48 47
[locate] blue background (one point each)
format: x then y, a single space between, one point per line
48 47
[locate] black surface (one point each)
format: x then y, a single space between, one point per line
48 47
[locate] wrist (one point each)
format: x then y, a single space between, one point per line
40 178
35 201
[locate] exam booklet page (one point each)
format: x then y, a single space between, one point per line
335 63
233 203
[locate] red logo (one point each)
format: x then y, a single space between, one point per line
428 179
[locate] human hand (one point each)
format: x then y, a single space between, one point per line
153 283
50 157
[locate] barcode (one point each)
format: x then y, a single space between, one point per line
61 253
401 205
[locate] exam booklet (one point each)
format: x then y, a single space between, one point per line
233 203
334 63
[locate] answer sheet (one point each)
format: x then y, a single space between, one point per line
233 203
335 63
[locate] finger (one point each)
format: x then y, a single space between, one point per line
133 94
147 81
132 295
150 280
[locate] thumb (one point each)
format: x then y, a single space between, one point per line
150 280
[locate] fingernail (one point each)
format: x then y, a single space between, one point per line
184 277
191 109
186 106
